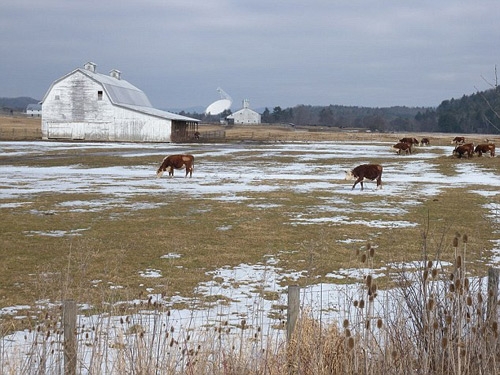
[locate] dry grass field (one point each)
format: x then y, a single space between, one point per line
28 128
20 128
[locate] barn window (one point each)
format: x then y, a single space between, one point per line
99 95
57 97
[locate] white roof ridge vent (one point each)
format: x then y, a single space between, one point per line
115 73
90 66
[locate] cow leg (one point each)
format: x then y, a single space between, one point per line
360 180
379 182
189 170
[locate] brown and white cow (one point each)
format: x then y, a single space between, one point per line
409 140
369 171
458 140
172 162
462 150
425 142
403 147
485 148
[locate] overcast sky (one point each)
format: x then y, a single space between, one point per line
272 52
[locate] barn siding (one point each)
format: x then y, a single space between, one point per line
245 116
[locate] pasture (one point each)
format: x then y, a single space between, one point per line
91 222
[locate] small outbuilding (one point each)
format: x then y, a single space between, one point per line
90 106
34 110
245 115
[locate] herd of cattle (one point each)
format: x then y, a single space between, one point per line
371 172
468 149
405 146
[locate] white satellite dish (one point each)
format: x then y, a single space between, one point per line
220 105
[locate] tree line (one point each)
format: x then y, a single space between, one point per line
476 113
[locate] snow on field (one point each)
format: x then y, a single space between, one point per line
251 168
294 166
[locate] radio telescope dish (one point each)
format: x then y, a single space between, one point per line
220 105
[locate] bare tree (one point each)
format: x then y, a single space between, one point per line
494 86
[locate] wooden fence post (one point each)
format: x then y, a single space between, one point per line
492 306
293 309
69 329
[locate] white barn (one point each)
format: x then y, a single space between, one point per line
245 115
34 110
86 105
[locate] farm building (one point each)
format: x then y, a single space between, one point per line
245 115
34 110
86 105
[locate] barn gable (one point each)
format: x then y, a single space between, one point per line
245 115
87 105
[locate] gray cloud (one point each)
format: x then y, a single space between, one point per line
365 53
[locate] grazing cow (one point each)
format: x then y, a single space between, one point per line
462 150
369 171
403 147
425 142
172 162
485 148
458 140
409 140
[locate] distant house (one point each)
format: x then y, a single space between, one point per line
245 115
86 105
34 110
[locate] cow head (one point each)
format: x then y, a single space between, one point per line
349 175
159 173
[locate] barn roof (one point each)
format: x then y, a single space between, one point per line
119 90
124 94
34 107
243 110
159 113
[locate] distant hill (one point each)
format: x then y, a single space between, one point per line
16 104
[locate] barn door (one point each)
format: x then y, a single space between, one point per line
78 131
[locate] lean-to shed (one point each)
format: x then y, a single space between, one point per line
86 105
